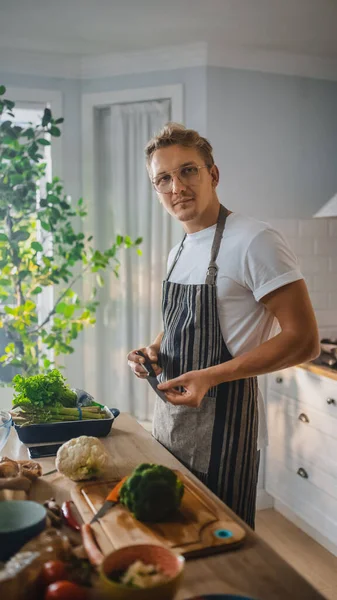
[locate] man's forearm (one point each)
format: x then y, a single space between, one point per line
282 351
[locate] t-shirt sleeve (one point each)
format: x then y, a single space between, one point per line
269 263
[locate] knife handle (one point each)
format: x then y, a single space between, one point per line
114 494
147 365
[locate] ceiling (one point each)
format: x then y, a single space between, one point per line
94 27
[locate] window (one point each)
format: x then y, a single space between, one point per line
24 114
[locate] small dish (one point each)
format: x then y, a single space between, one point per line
20 520
166 560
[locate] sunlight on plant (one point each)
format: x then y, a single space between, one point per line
39 248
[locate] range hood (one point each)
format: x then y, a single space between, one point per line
329 209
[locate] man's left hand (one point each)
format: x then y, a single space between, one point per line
195 384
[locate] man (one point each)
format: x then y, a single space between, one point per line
228 282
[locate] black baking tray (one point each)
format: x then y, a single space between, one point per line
66 430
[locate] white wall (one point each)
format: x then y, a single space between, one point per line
275 141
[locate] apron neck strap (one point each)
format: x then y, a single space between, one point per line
212 270
177 256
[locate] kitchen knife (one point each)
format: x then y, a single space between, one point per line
110 501
152 378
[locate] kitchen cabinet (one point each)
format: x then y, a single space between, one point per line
301 459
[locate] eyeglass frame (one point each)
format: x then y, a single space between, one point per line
177 169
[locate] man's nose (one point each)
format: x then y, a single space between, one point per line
177 185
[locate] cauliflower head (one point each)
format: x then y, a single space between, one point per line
152 492
81 458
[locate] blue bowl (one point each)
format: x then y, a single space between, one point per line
20 520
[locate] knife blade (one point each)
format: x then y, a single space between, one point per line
151 375
110 501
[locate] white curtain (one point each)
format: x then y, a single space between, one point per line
129 315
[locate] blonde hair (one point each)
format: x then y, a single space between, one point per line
174 133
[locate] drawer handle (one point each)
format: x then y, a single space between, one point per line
279 379
331 401
302 473
303 417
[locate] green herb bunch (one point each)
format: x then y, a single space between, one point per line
43 390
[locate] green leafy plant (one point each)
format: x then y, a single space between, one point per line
40 248
43 390
46 398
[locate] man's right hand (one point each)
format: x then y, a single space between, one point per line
135 361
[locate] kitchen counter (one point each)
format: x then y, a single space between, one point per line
319 370
254 569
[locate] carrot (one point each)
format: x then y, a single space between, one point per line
95 556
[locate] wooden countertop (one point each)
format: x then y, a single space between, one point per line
253 570
319 370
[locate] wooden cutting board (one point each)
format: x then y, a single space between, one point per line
199 528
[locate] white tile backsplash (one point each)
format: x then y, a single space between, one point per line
314 241
333 227
314 264
313 227
319 283
326 246
333 300
333 265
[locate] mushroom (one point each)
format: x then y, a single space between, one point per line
16 477
8 467
30 469
15 483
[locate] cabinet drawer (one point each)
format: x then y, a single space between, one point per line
310 441
310 503
303 413
295 463
301 385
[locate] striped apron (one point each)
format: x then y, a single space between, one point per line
218 440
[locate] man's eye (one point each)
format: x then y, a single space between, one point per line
189 171
163 179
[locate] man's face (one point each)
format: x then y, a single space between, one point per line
185 202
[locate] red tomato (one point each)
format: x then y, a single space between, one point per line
53 570
65 590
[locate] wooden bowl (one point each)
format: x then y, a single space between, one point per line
166 560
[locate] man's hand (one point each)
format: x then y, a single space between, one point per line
195 383
135 361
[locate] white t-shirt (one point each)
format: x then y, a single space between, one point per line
254 259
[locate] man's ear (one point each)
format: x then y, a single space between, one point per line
214 172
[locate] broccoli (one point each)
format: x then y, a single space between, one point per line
152 492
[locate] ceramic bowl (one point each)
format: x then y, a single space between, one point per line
20 520
165 559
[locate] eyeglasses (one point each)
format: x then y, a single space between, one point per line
187 175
